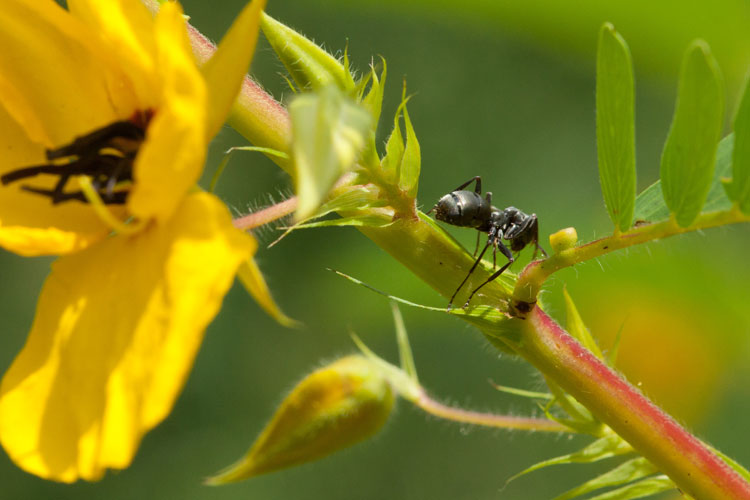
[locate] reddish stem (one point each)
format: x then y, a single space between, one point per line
653 433
487 419
269 214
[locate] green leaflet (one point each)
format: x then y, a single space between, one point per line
406 358
394 150
615 126
373 101
643 488
615 349
522 392
579 418
577 328
412 159
328 132
626 472
311 67
600 449
738 189
355 199
401 164
356 220
650 206
687 162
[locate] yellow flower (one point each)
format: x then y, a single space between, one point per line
104 121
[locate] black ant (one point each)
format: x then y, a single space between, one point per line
468 209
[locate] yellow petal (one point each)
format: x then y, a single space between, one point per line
56 81
127 27
29 223
253 281
226 69
171 159
117 328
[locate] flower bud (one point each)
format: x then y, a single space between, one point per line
310 66
332 408
563 239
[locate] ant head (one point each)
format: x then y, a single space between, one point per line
446 209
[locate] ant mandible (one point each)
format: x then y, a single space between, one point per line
468 209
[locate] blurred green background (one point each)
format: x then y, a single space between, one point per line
505 91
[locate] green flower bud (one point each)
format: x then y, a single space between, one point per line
563 239
332 408
310 66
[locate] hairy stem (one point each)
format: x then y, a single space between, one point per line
487 419
531 279
679 454
268 214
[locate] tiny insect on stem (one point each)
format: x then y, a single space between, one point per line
465 208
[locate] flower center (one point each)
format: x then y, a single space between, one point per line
105 155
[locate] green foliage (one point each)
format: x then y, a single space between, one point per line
738 189
310 66
650 205
406 358
402 160
328 132
615 126
606 447
577 328
631 470
688 159
373 101
356 202
640 489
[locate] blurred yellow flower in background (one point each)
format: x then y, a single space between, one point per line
105 121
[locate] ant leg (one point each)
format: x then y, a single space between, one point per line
477 188
505 252
476 262
476 248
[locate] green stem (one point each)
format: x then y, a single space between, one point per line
532 278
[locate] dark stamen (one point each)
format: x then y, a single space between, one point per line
117 198
106 155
